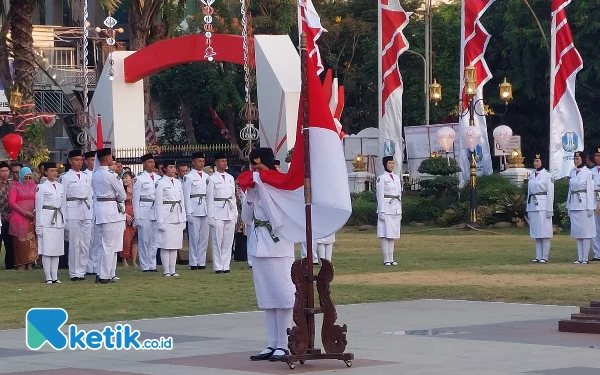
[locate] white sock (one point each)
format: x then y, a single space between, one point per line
545 248
172 261
321 251
164 258
47 263
384 250
284 321
587 243
538 249
54 268
271 325
580 249
113 268
328 251
391 243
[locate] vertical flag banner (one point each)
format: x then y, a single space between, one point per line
309 23
392 43
473 42
566 125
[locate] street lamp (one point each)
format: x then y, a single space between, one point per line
111 40
435 92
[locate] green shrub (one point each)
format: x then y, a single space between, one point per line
453 216
490 188
445 180
561 190
513 206
561 216
487 215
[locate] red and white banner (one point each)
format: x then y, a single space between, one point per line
473 43
284 196
309 23
566 125
219 123
392 43
150 134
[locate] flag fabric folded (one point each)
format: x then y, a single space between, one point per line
331 206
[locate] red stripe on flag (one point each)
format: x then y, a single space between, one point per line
99 136
393 43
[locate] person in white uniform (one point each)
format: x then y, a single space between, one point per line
325 247
596 173
109 209
581 204
222 214
49 222
95 242
144 188
194 191
540 209
77 202
272 259
304 252
170 217
389 210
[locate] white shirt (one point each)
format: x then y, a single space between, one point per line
144 188
49 194
540 191
194 184
221 186
389 194
77 199
169 189
581 190
107 186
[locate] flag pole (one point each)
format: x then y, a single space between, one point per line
301 338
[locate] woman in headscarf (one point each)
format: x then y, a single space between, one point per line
21 199
389 210
540 203
581 204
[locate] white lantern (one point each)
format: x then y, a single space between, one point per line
502 135
445 137
471 135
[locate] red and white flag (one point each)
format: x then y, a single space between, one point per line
392 43
566 125
474 40
219 123
309 23
284 198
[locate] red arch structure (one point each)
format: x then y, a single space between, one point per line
182 50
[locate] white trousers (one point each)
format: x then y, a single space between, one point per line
198 240
111 235
222 243
583 249
277 321
50 267
542 248
325 251
387 249
304 251
596 240
93 264
168 258
147 246
80 236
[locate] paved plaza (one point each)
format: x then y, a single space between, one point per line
411 337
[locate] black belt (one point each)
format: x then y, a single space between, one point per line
201 196
119 205
148 200
534 197
266 224
393 197
80 200
226 200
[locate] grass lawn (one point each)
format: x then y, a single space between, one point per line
433 263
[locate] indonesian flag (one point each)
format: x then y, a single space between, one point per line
309 23
392 43
219 123
566 125
474 40
284 198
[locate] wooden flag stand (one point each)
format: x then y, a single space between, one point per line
301 338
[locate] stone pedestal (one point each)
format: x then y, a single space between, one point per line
357 181
516 175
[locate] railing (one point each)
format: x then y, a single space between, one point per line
64 77
60 57
178 153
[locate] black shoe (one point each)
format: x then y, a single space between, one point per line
82 279
90 274
218 271
193 268
153 270
595 260
278 358
262 357
227 271
201 267
75 279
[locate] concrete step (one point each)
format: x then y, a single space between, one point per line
584 317
590 311
579 326
595 304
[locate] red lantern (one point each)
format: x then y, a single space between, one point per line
12 144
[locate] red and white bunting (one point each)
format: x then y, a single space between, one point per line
309 23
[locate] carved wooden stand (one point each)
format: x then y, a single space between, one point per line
301 341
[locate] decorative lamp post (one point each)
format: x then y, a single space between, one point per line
435 92
505 91
111 40
16 99
502 135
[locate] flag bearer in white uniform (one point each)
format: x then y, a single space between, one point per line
540 209
169 209
389 210
325 247
77 202
222 213
144 188
109 209
194 191
272 259
49 222
581 204
596 174
95 242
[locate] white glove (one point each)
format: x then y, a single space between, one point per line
549 214
189 218
38 231
161 227
381 216
211 221
137 222
590 213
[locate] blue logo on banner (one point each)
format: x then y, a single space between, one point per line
570 141
389 148
478 153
